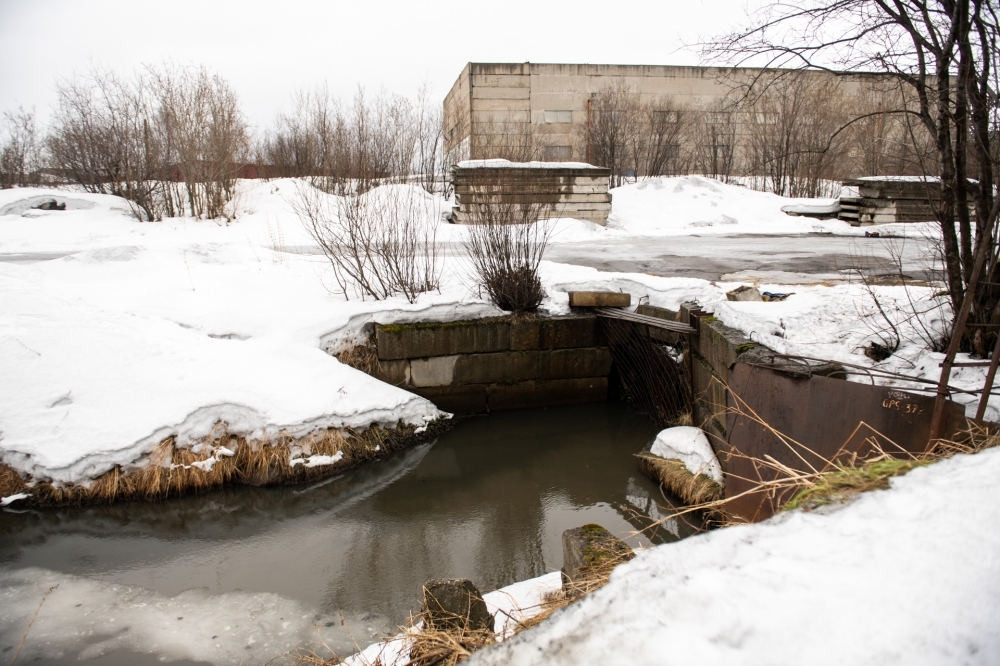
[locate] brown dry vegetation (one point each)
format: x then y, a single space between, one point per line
169 470
676 478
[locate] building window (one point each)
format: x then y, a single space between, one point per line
668 117
558 153
558 116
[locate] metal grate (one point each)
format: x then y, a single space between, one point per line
650 378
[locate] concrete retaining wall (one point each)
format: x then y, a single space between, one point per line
497 364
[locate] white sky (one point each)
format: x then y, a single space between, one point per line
267 50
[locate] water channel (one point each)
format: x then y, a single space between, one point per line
245 574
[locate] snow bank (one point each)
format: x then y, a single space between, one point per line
691 447
695 205
116 334
908 575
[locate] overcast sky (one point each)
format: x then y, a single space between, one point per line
267 50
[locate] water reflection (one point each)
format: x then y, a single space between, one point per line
488 501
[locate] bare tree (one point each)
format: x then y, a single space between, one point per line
20 156
498 136
429 134
794 148
614 130
946 54
715 142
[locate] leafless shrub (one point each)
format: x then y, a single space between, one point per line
169 141
715 143
20 156
205 137
104 138
379 243
506 242
908 317
350 148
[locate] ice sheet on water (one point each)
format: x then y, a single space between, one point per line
88 618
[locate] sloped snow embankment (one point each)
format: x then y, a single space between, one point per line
139 331
906 575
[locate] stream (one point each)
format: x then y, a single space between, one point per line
244 574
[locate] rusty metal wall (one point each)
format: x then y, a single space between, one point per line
819 413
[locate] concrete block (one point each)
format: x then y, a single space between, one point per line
524 334
547 392
573 363
399 341
396 372
434 371
568 332
599 299
509 366
452 604
469 399
590 546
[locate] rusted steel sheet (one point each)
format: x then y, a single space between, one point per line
822 419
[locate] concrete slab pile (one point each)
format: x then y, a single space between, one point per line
561 189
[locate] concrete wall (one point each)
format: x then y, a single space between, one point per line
488 96
497 364
580 193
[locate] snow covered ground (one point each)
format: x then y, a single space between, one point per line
115 334
909 575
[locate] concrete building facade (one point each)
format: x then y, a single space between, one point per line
552 102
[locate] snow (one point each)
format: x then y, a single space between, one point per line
691 447
906 575
830 209
519 602
116 334
139 331
10 499
317 461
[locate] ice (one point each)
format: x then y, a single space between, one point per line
909 575
691 447
86 618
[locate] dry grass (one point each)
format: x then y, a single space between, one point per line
676 478
363 357
169 471
447 647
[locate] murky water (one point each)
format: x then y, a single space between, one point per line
245 574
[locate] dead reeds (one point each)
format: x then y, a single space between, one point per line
865 461
223 458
